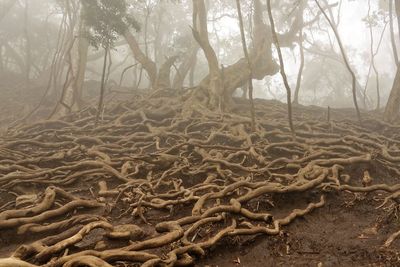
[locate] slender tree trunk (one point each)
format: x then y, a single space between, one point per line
135 76
83 48
300 73
70 52
397 8
346 61
393 105
282 67
371 36
28 60
123 74
102 86
192 73
2 68
392 39
140 77
301 50
392 109
246 54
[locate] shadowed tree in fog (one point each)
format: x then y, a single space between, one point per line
392 110
105 21
345 59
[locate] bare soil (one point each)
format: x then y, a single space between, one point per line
200 187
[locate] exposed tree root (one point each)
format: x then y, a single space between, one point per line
12 262
164 187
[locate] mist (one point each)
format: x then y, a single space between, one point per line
199 133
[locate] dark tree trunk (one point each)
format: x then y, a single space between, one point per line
346 61
392 109
393 105
102 87
282 67
246 54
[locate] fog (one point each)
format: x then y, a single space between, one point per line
165 27
199 133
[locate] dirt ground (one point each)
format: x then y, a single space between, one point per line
342 233
327 197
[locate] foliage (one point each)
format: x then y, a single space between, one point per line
106 20
376 19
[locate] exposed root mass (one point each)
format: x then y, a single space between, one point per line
158 184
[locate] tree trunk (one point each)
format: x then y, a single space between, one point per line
76 55
260 54
163 79
149 65
371 36
346 61
157 79
28 61
392 39
192 72
102 86
184 68
80 78
200 33
282 67
246 54
393 105
392 109
300 73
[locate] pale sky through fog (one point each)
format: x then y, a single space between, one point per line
355 37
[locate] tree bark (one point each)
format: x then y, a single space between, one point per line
28 61
148 64
163 79
371 36
301 67
260 54
300 73
158 78
200 33
393 105
102 86
76 54
184 68
282 67
246 54
392 39
80 77
392 109
192 72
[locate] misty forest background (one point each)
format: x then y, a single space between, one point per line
199 132
53 49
